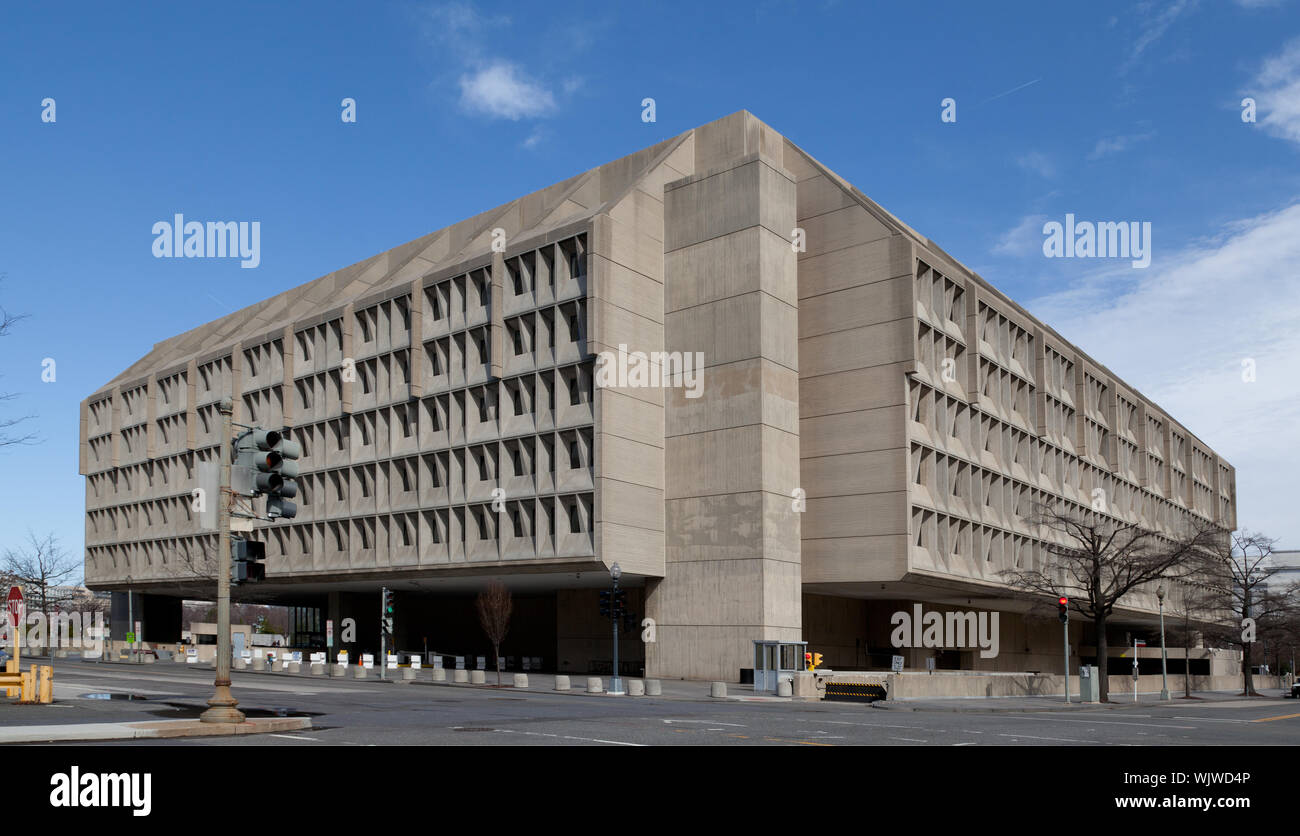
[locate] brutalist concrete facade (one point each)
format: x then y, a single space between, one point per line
874 422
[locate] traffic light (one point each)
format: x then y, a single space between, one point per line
605 603
807 661
245 555
816 661
277 463
388 610
1062 608
620 603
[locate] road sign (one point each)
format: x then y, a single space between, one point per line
130 638
329 632
896 664
15 604
1139 642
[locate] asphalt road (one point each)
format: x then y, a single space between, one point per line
350 712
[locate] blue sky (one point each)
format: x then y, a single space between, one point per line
1109 111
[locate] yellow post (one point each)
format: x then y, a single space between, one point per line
46 685
28 687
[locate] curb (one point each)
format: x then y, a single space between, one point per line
152 730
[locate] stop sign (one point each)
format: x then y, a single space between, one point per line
15 603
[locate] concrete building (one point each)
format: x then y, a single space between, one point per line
872 424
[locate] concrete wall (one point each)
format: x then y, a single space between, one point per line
923 686
732 454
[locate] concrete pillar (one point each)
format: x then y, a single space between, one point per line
731 455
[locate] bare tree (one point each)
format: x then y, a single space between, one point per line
1097 561
1192 609
494 608
43 569
7 425
1239 568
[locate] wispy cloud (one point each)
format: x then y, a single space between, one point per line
1154 21
1037 162
1180 333
1117 144
1276 90
1023 239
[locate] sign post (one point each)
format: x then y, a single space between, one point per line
329 645
14 602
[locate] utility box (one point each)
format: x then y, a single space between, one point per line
1089 687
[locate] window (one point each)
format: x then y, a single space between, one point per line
517 522
517 335
576 266
518 395
574 397
575 457
575 520
519 462
573 327
482 349
482 406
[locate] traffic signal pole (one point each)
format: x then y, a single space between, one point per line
222 705
383 633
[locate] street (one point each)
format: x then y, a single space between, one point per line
351 712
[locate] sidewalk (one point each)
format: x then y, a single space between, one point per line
149 729
1022 705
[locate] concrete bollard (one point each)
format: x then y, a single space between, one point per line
439 674
317 668
409 674
561 682
277 666
340 670
784 688
653 688
63 654
259 663
521 680
635 688
293 667
239 665
460 675
477 677
360 672
719 690
594 685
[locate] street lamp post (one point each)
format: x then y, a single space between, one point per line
130 619
1164 667
615 683
222 705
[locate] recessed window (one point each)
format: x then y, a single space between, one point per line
575 520
575 457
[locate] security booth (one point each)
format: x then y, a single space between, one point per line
774 661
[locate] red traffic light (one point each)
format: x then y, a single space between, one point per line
1063 600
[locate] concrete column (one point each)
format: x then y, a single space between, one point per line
732 453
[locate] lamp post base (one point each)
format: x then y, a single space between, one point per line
1164 693
222 708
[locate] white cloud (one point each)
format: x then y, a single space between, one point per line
1023 239
1117 144
501 89
1276 89
1179 333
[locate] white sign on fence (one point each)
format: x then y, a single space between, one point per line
392 662
482 663
318 658
343 658
896 664
367 660
415 663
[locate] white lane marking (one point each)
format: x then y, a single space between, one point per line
908 739
1211 719
293 737
967 743
708 722
569 737
1095 722
872 725
1032 737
